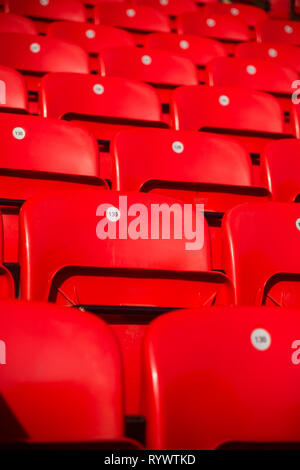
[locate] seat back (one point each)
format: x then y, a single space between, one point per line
223 27
136 18
283 53
37 55
261 254
282 31
49 10
201 167
250 14
54 388
231 375
157 67
92 38
256 74
198 50
225 108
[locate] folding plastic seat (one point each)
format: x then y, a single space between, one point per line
171 8
254 118
10 23
261 253
281 31
61 378
228 29
37 55
162 69
283 53
41 155
223 378
139 19
193 167
251 15
257 74
105 105
198 50
45 11
127 278
13 92
92 38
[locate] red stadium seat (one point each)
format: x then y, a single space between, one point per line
37 55
261 253
256 74
13 92
226 28
198 50
252 117
45 11
92 38
282 53
222 378
139 19
37 156
171 7
56 388
280 168
10 23
125 279
103 104
193 167
162 69
281 31
251 15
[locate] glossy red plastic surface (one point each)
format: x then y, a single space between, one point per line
283 53
198 50
132 17
256 74
30 53
225 108
251 15
282 31
214 26
195 167
148 65
92 38
70 10
62 380
280 169
207 383
261 253
11 23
